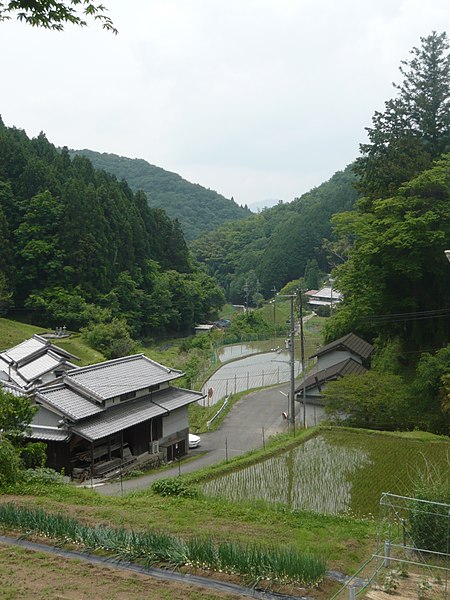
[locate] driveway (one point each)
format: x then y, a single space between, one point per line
253 419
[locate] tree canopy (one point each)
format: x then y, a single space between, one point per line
79 247
55 14
277 245
197 209
414 128
397 281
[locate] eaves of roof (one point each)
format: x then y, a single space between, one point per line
341 369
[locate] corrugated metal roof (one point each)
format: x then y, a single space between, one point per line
50 434
115 377
341 369
328 292
130 413
350 342
68 402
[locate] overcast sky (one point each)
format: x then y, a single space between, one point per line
257 99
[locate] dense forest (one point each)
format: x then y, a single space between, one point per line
79 248
277 245
197 209
394 273
394 239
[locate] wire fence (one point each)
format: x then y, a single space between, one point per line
241 376
412 558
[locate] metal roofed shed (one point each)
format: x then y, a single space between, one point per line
350 342
317 380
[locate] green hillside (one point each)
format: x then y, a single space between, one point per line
275 246
79 248
198 209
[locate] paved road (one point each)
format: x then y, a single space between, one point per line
255 415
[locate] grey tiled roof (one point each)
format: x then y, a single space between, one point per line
349 342
115 377
130 413
12 389
31 349
68 402
39 432
43 364
341 369
24 349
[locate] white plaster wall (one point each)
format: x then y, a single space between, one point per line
175 421
332 358
46 417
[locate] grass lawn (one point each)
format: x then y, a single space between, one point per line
14 332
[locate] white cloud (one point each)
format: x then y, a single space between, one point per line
254 98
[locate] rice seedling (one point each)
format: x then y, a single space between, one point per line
337 472
284 564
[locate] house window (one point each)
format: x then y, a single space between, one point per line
153 388
127 396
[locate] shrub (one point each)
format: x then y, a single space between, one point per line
43 475
172 486
113 339
34 455
430 513
10 463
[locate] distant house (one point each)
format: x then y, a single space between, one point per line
326 296
205 328
102 417
34 362
347 355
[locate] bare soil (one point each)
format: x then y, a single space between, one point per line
28 575
408 588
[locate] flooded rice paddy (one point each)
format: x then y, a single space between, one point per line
334 473
256 364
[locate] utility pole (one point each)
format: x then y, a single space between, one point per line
246 290
291 360
274 290
302 347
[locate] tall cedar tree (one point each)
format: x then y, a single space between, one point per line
414 128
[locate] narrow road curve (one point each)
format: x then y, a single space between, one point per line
251 421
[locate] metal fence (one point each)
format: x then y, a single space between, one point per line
412 558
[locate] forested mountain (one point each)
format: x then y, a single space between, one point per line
198 209
78 247
275 246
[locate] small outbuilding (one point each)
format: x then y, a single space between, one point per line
347 355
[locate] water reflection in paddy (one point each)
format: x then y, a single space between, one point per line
316 476
257 370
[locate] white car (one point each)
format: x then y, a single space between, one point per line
194 441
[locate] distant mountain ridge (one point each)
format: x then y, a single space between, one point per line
198 209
